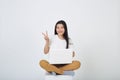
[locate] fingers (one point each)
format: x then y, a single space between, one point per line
45 34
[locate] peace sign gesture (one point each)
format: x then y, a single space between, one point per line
46 36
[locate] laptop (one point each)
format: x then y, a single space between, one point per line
60 56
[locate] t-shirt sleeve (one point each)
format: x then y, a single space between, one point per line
51 39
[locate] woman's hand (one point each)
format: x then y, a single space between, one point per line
46 47
73 55
46 36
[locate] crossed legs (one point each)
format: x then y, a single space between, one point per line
59 69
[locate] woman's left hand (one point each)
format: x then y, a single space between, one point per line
73 54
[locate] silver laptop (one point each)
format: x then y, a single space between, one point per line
60 56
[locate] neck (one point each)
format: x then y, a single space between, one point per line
61 36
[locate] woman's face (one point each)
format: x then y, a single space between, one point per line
60 29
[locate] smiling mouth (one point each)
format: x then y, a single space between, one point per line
60 32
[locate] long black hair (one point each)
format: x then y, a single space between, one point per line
65 35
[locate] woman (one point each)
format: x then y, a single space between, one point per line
59 41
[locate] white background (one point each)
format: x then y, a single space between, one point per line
93 26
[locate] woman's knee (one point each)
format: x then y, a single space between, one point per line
43 62
77 63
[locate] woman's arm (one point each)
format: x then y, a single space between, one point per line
46 47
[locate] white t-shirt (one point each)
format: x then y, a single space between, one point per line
57 43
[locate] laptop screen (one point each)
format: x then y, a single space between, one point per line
60 56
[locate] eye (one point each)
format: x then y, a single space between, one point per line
57 27
62 27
